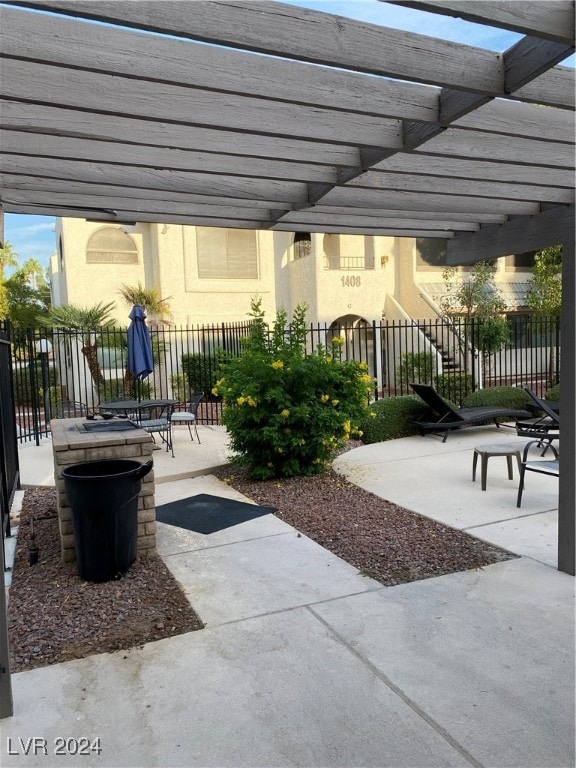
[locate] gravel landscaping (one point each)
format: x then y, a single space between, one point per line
55 616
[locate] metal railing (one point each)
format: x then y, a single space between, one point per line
51 365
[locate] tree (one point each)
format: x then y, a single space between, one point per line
87 320
544 297
157 309
8 258
477 298
28 295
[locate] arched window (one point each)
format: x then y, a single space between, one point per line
111 245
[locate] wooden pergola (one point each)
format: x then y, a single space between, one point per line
262 115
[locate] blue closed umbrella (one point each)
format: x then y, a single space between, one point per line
140 360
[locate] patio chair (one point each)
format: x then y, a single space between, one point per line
188 414
440 417
156 420
546 427
546 467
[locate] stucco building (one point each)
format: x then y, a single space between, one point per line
211 274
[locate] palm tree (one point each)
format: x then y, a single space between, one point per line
8 258
86 320
157 309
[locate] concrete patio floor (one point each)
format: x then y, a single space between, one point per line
303 662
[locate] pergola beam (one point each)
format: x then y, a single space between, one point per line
526 233
549 19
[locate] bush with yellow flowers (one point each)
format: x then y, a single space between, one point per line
289 410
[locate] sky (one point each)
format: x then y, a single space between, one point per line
33 236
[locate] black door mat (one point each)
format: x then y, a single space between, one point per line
207 514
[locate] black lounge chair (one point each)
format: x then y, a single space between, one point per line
546 427
441 417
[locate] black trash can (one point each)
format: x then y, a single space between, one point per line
103 497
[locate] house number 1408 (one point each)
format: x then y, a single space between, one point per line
350 281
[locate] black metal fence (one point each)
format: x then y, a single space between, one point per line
9 468
55 366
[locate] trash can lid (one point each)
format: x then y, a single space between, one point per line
107 468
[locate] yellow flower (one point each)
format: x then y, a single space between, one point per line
335 403
324 398
372 415
241 400
277 364
251 402
338 340
285 413
367 379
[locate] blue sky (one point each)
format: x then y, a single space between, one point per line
33 236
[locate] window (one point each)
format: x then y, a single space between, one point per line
302 245
226 254
110 245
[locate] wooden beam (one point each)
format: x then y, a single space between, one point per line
148 178
103 190
417 201
524 121
554 88
302 34
142 155
480 170
66 42
473 218
383 231
117 202
530 58
44 118
526 233
41 83
551 19
454 185
352 219
459 143
121 216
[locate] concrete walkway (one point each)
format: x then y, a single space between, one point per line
303 662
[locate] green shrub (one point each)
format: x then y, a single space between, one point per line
392 418
453 386
416 366
288 412
203 370
553 393
500 397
